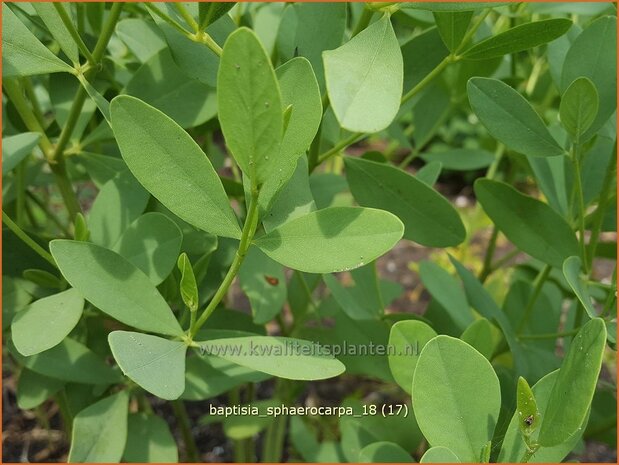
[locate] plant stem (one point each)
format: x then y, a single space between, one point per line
598 216
187 17
529 453
487 267
183 422
538 284
167 19
65 412
28 240
249 229
66 20
504 259
34 101
274 440
534 337
581 208
43 207
471 32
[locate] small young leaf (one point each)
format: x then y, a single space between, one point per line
156 364
407 338
278 356
364 78
81 231
264 282
152 243
530 224
250 106
172 167
452 27
572 273
456 397
100 431
46 322
510 118
333 239
429 173
572 393
47 12
149 440
384 452
16 148
115 286
209 12
519 38
188 286
579 107
526 408
439 454
23 54
428 217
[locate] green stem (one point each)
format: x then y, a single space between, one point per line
535 337
66 20
537 289
187 17
20 187
487 267
65 412
167 19
28 240
274 440
529 452
504 259
471 32
204 38
183 422
249 229
581 208
44 208
34 101
600 211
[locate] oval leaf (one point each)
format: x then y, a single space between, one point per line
333 239
572 393
100 431
171 166
250 105
46 322
364 78
519 38
156 364
115 286
529 224
52 19
428 217
149 440
407 338
456 397
439 454
278 356
579 107
526 408
384 452
16 148
510 118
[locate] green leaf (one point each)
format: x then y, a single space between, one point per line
526 408
161 83
250 106
120 201
115 286
528 223
572 393
209 12
172 167
264 282
593 55
16 148
333 239
71 361
300 93
188 287
519 38
452 27
452 6
149 440
22 53
439 454
100 431
456 397
46 322
33 389
447 291
364 78
428 217
151 243
513 446
384 452
47 12
408 338
572 270
142 37
479 336
510 119
362 301
239 427
283 357
156 364
429 173
579 107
